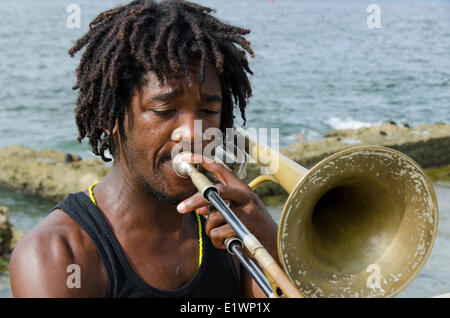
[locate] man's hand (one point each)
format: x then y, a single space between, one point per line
243 202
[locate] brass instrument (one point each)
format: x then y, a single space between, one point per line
360 223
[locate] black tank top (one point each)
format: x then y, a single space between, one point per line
216 278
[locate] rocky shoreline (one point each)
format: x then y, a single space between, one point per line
53 175
9 237
47 173
428 145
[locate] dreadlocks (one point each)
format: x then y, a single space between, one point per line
126 42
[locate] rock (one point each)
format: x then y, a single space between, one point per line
428 145
53 175
71 158
439 174
4 267
46 173
300 138
9 235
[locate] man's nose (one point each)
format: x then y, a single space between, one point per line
189 130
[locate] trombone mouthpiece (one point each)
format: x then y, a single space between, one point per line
185 169
181 167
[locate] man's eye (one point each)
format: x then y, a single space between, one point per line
210 111
163 112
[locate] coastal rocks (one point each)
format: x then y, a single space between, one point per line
9 235
53 175
428 145
440 174
47 173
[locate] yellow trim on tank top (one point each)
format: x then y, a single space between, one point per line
200 236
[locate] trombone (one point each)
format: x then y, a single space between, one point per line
360 223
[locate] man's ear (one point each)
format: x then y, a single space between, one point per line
116 127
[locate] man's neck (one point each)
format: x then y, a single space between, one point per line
127 202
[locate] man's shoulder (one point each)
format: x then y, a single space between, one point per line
45 255
57 230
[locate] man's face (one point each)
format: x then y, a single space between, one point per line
160 117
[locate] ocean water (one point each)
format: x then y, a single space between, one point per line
434 279
318 67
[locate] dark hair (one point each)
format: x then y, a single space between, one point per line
126 42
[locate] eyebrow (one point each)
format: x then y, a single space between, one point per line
166 96
211 98
178 92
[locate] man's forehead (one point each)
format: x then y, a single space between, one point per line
177 81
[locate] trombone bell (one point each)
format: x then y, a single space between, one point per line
365 228
360 223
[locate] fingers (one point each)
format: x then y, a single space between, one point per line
218 170
204 210
219 234
230 189
218 230
192 203
215 219
197 201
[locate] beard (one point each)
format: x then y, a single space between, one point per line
157 189
154 183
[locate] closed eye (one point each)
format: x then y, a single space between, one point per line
209 111
163 112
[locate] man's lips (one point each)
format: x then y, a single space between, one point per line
169 173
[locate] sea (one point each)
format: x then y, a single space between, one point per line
319 65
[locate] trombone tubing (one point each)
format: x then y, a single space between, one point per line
261 255
240 229
234 247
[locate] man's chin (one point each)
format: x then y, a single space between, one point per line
170 200
169 197
167 186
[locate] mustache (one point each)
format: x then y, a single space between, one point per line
166 157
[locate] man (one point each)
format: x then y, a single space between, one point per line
149 70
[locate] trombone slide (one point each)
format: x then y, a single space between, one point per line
264 259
